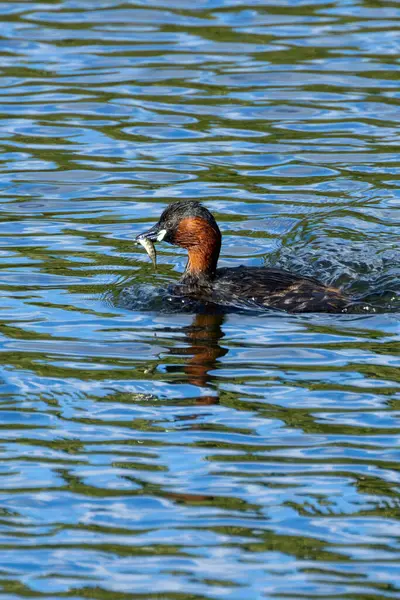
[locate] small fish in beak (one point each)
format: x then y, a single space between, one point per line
147 239
149 247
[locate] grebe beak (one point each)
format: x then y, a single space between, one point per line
147 240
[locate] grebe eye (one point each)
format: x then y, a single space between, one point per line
161 235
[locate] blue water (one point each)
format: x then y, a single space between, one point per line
153 453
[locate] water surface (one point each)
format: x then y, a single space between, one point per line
149 453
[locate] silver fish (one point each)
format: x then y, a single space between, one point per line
150 249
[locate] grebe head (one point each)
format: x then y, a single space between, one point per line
189 225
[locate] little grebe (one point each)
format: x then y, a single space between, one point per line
190 225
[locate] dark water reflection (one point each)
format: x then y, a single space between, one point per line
175 453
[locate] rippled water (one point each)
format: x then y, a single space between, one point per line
155 454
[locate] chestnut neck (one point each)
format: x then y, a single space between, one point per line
203 243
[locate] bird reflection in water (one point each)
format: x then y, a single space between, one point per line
203 351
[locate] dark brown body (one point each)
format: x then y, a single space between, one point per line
262 287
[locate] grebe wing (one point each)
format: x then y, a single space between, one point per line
277 279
